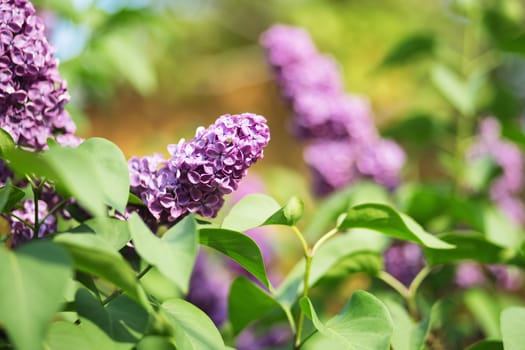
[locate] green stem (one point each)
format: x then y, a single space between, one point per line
54 209
306 282
323 239
36 195
394 283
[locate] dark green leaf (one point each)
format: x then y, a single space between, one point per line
251 211
112 171
93 255
10 196
469 246
247 303
193 328
487 345
512 326
384 219
123 320
238 247
33 280
364 323
174 254
409 49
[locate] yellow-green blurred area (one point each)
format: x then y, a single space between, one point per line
145 73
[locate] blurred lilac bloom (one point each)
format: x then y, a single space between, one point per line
209 287
252 339
404 260
505 189
32 93
22 232
344 143
469 274
200 171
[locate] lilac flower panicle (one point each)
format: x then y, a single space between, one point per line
469 274
32 93
200 171
344 143
506 188
21 232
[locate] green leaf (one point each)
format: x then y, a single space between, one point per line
123 320
247 303
6 141
409 49
512 327
193 328
72 170
112 170
469 246
115 232
155 342
93 255
364 323
10 196
85 336
174 254
486 311
487 345
453 88
500 230
238 247
33 280
251 211
386 220
287 215
340 248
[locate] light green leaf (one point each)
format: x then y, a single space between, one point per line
115 232
112 170
238 247
512 327
66 336
251 211
193 328
174 254
247 303
386 220
93 255
6 141
33 280
155 342
500 230
287 215
364 323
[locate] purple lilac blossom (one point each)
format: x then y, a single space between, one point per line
32 93
507 277
404 260
21 232
469 274
200 171
344 143
505 189
274 337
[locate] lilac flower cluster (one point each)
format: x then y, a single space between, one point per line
404 260
470 274
200 171
344 143
32 100
32 93
506 188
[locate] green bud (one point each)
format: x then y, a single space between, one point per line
293 210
